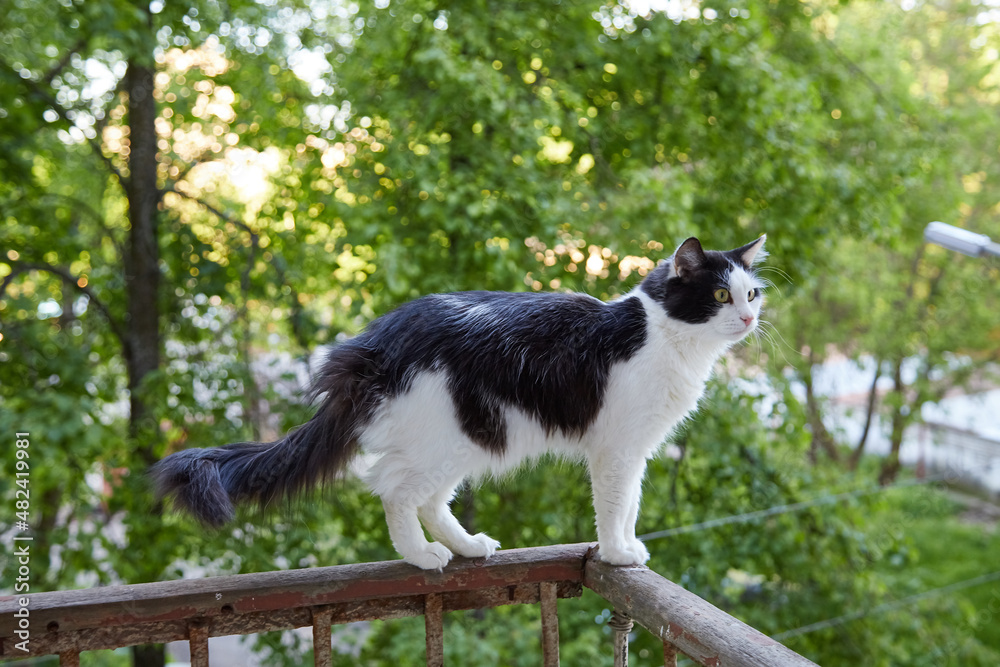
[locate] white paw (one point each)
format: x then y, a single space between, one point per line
639 549
434 556
479 545
622 555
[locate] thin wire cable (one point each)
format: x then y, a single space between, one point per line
783 509
887 606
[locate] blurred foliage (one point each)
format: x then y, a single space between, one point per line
319 164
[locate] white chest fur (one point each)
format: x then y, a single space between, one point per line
649 394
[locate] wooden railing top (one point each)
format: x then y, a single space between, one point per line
114 616
696 627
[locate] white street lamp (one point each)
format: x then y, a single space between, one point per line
960 240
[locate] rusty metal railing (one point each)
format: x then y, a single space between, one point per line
69 622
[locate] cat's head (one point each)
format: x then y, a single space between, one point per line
717 292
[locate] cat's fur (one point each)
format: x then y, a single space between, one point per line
453 386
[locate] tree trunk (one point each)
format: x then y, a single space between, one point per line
891 465
872 400
821 438
149 655
142 270
251 391
907 407
468 500
142 282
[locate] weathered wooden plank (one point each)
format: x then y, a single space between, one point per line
701 630
232 623
244 593
159 612
116 616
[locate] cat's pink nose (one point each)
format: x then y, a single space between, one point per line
747 319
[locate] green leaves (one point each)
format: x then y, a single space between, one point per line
484 146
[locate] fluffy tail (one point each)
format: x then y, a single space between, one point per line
209 483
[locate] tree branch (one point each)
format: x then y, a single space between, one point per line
243 345
296 321
297 312
84 207
217 212
61 65
201 159
24 267
857 70
36 88
227 217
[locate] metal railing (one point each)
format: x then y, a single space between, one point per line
69 622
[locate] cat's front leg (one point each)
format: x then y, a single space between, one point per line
616 479
635 545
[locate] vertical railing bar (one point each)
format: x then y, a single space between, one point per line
669 655
69 659
621 624
322 651
547 596
434 628
198 640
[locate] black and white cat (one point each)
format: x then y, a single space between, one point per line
453 386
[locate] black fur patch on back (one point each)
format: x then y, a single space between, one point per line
548 355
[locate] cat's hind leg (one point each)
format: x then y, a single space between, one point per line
439 521
408 537
420 454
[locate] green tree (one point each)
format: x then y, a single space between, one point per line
188 210
110 106
904 302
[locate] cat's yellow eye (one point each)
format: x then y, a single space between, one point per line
751 295
722 295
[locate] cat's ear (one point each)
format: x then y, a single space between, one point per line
752 252
688 257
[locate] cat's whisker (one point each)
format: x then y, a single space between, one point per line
768 329
780 272
769 285
755 339
762 335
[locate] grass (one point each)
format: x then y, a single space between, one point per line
938 545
